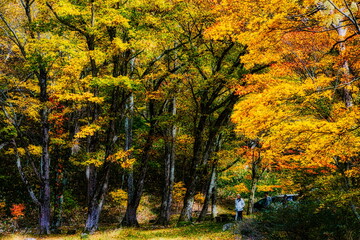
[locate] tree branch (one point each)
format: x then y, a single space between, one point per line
222 56
165 52
23 176
13 33
229 165
342 41
65 22
353 21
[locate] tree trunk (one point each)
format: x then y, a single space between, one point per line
255 172
211 182
209 194
130 218
345 71
197 154
252 196
93 216
91 176
96 184
254 180
130 215
186 212
213 203
43 202
44 218
97 197
59 198
165 209
202 151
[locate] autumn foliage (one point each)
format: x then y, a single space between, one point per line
17 211
190 100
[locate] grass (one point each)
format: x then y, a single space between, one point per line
196 231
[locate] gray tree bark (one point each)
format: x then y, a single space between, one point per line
209 194
165 209
44 219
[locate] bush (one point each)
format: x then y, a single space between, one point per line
249 229
308 220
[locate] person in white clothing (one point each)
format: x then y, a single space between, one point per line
239 207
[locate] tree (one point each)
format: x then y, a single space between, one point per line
214 63
90 22
169 167
301 119
36 56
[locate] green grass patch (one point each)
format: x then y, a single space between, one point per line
195 231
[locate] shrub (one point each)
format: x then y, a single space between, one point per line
17 211
308 220
249 229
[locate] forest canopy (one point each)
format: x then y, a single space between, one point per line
108 105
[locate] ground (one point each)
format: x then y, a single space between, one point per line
204 231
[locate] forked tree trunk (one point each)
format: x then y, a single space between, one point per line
130 218
211 183
257 171
130 215
202 151
135 188
165 209
209 194
186 212
94 194
97 193
43 201
188 202
93 216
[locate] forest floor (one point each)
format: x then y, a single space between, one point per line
208 230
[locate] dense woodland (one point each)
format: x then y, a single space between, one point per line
184 103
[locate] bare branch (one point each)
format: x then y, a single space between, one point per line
23 176
3 145
65 22
223 55
229 165
15 38
342 41
351 19
352 16
165 52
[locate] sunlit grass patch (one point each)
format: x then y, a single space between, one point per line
195 231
